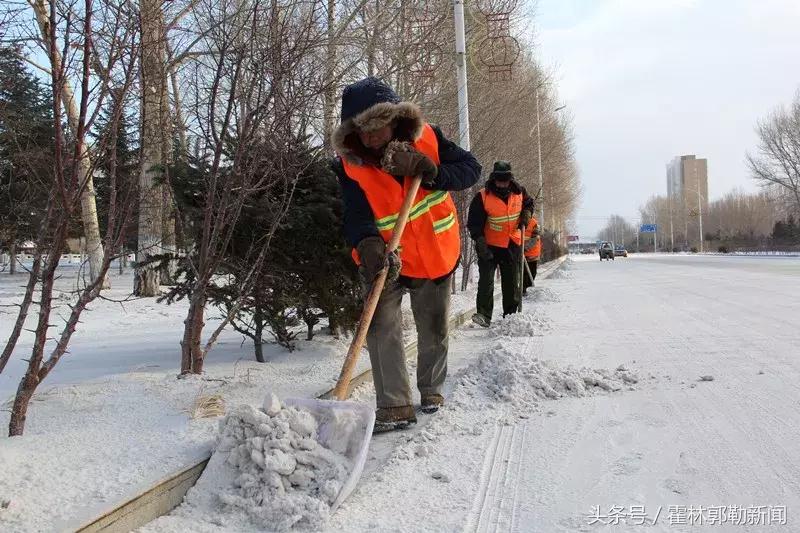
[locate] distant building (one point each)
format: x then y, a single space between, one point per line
687 178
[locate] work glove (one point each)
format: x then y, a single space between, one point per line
537 230
530 243
411 163
524 218
482 249
372 251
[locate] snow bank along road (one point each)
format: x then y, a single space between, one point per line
687 454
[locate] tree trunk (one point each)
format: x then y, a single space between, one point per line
12 257
22 315
91 227
329 95
19 411
371 41
168 236
169 213
191 353
147 278
29 382
258 336
197 331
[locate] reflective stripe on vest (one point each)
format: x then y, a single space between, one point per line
502 219
431 241
535 251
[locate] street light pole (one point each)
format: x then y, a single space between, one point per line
461 67
671 231
539 153
700 213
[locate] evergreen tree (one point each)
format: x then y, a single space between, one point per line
124 156
308 274
26 149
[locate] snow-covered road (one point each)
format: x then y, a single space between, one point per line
677 450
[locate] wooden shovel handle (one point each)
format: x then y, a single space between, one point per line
341 391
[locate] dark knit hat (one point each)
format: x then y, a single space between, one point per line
368 105
501 171
362 95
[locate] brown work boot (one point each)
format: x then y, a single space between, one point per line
431 403
392 418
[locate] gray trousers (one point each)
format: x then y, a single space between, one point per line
430 303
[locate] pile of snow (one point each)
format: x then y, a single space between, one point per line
520 325
562 273
275 468
544 294
515 376
286 478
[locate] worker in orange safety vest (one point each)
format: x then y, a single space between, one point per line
497 215
382 144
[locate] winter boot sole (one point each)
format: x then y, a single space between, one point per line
480 320
385 427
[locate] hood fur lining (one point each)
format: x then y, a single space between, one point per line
407 117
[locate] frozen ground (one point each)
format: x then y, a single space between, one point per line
672 443
540 432
111 418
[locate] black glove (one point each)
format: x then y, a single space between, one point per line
524 218
482 249
372 251
412 163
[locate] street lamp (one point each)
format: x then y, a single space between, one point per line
539 146
699 213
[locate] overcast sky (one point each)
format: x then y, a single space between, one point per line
646 80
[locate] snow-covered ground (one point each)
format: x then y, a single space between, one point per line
111 419
585 416
676 449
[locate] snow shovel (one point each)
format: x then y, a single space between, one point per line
371 303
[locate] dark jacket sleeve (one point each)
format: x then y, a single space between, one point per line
476 218
359 222
458 168
527 201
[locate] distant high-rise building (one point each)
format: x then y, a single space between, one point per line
686 175
687 189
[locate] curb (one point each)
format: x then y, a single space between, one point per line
168 493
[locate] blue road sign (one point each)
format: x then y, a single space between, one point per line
648 228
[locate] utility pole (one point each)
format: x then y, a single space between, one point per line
461 69
539 152
700 213
671 231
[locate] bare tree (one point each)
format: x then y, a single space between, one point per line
154 148
71 173
91 227
255 81
777 161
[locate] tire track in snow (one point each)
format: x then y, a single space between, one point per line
496 501
495 505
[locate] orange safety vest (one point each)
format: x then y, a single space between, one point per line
536 250
431 242
502 219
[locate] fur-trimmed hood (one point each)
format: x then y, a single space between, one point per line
368 105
